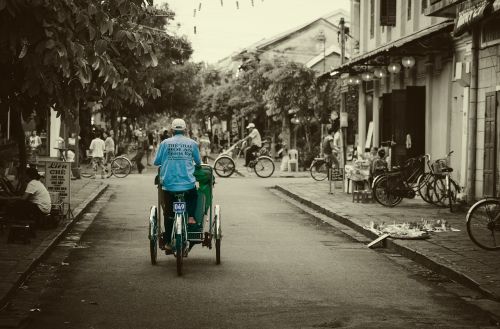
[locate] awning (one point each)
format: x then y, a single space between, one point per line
411 44
470 16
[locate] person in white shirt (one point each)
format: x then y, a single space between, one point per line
35 143
255 143
97 149
34 204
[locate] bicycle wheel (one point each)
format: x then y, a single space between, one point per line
382 192
121 167
422 186
224 166
217 233
153 243
87 169
264 167
452 194
179 252
445 197
483 224
319 171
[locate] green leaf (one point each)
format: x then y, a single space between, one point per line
91 33
154 60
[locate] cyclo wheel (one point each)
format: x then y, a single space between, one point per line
382 192
153 237
121 167
319 170
217 234
179 252
483 224
224 166
87 169
264 167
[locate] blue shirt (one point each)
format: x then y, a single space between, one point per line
175 156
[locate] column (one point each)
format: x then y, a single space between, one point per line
361 120
376 115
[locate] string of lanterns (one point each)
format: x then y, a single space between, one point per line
381 72
237 3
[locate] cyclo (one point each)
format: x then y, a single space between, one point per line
184 236
262 164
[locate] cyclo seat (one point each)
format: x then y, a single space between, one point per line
447 169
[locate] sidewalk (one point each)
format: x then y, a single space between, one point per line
17 260
448 253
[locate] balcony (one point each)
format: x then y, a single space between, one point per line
442 8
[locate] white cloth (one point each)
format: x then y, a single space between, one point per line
97 148
109 144
35 142
336 142
255 136
39 195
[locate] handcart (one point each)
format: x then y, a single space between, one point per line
185 236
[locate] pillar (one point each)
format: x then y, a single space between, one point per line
376 116
361 120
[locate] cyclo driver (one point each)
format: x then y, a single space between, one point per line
255 143
176 156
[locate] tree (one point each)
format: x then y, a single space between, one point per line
67 53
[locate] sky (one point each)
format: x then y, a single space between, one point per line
224 29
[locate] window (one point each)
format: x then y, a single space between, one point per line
388 12
372 19
424 5
408 11
490 33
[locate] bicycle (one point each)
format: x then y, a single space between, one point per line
224 165
483 223
319 169
120 167
445 187
390 188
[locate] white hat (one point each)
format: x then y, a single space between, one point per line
178 124
250 125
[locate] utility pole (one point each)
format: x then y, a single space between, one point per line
343 138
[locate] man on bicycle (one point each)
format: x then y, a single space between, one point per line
331 147
176 156
255 143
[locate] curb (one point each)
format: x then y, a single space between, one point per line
25 266
404 251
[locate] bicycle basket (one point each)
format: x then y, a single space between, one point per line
439 165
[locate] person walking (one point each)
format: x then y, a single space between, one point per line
204 147
150 150
142 146
97 149
35 142
109 148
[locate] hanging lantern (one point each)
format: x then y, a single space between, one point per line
195 29
237 5
394 68
353 80
380 73
408 61
222 3
367 76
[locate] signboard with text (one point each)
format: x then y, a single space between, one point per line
58 179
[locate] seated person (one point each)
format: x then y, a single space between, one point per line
176 156
34 204
378 165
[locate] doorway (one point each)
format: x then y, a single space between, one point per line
402 119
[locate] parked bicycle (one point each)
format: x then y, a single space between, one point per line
390 188
483 223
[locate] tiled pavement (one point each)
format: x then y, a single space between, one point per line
448 253
16 260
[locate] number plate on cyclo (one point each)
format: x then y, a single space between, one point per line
179 207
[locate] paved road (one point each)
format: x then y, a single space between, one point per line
280 269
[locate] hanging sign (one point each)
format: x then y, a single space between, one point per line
58 179
343 120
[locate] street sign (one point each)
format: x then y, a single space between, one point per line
58 179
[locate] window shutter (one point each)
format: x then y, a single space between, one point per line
388 12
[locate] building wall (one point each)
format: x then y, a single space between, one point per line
489 81
302 46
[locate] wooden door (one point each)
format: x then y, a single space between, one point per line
490 145
415 120
399 124
385 118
